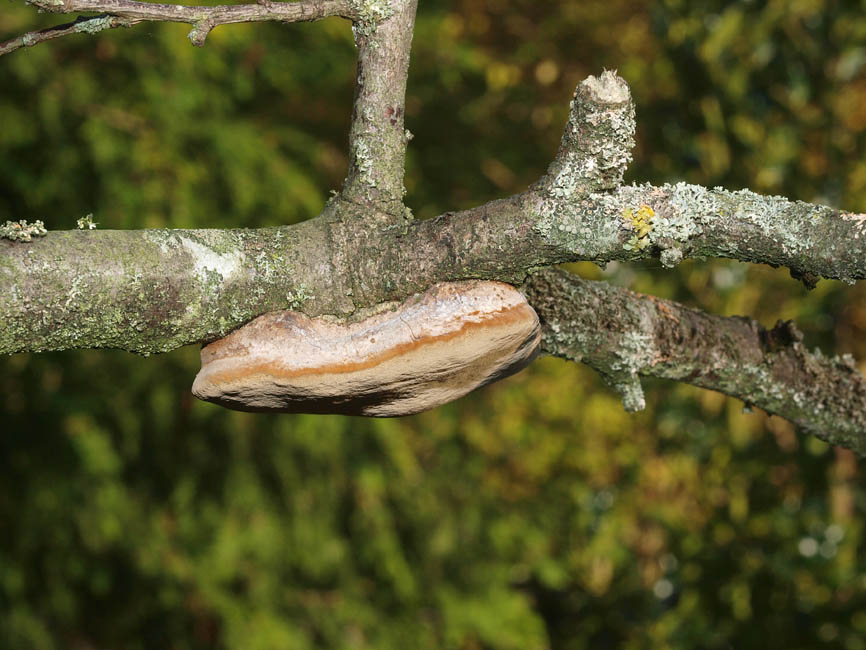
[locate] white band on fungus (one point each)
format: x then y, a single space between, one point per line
432 349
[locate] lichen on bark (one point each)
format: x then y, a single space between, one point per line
622 335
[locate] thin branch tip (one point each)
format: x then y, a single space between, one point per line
81 25
124 13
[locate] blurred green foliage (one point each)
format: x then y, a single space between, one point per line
533 514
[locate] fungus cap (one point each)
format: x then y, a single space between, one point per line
433 348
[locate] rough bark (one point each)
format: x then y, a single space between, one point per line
624 335
155 290
378 138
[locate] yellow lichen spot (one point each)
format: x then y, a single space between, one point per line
641 222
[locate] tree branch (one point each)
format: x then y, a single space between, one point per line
579 207
568 215
378 139
673 222
157 290
123 13
67 289
153 291
622 335
81 25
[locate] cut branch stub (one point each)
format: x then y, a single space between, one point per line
597 142
433 348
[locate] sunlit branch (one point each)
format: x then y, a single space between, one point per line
581 210
378 137
123 13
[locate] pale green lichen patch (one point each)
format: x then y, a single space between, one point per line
811 240
636 348
693 202
94 25
670 257
364 160
299 296
370 14
589 234
634 353
777 219
22 231
682 223
86 223
787 224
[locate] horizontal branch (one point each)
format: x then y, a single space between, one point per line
156 290
153 291
624 335
124 13
346 264
673 222
81 25
502 239
290 12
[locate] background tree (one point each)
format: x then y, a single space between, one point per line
349 532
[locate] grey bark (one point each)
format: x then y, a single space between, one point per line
125 13
624 335
154 290
378 138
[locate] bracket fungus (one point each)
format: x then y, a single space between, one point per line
433 348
